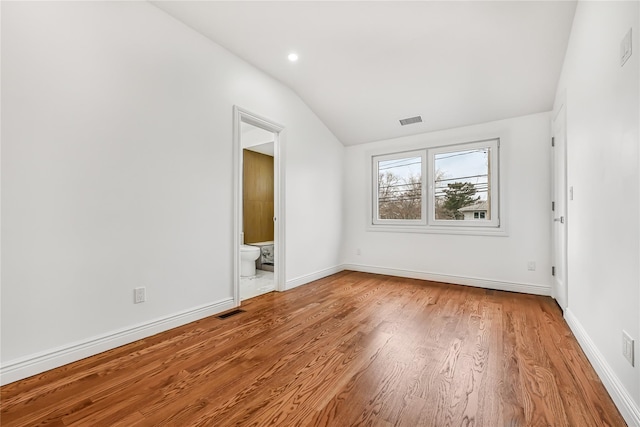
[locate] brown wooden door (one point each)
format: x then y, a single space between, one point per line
257 197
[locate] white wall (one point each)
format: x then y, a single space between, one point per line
117 173
602 101
491 261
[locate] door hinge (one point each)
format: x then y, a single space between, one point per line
553 206
553 271
553 141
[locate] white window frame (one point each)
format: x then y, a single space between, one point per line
428 224
494 183
375 160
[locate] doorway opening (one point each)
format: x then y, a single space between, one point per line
258 224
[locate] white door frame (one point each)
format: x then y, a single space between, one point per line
241 115
559 217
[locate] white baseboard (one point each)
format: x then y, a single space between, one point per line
37 363
628 408
307 278
458 280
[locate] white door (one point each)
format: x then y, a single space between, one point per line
559 209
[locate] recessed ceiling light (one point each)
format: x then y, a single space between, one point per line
293 57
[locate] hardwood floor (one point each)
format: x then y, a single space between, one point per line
353 349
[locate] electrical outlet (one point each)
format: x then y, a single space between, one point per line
139 295
531 266
627 347
358 251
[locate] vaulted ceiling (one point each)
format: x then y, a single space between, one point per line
364 65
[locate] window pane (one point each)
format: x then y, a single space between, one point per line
400 188
462 185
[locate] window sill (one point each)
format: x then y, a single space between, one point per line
434 229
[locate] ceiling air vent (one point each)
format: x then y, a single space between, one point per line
411 120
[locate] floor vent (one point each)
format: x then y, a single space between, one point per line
230 313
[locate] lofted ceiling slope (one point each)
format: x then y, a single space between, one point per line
364 65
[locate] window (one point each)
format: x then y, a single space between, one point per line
399 194
462 180
464 184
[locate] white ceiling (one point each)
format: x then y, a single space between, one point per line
257 139
366 64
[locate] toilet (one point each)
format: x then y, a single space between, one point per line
248 256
